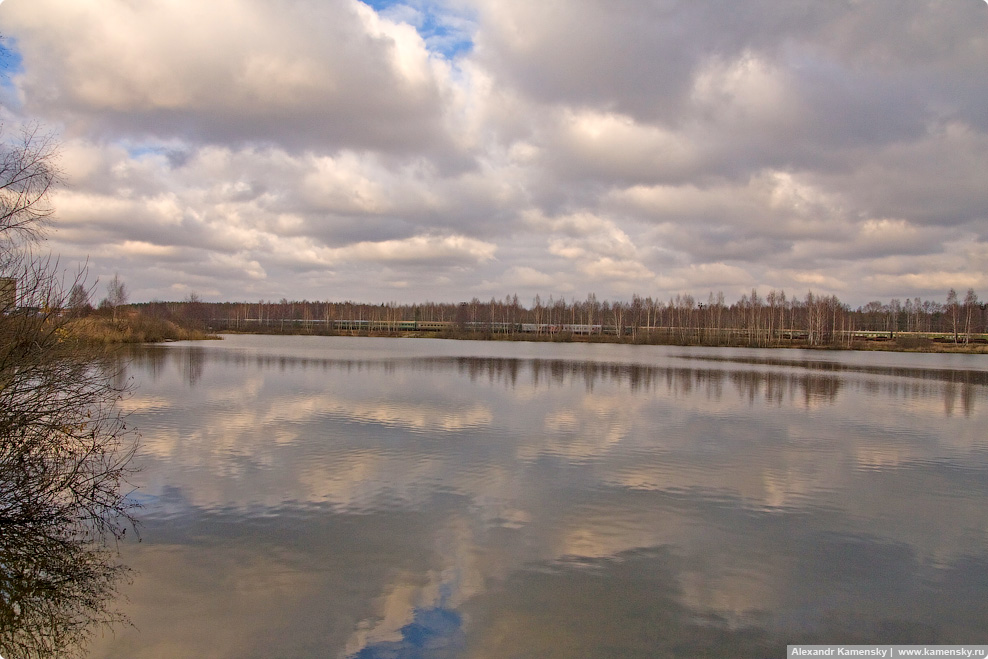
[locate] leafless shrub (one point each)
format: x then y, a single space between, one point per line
65 451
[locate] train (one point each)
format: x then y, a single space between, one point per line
420 326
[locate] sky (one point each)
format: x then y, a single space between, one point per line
448 149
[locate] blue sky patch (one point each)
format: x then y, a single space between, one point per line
434 633
446 32
11 62
11 65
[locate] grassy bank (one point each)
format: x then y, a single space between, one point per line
131 328
922 346
904 344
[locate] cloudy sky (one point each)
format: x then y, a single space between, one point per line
446 149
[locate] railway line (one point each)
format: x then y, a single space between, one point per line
358 326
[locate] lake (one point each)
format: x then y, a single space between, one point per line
370 498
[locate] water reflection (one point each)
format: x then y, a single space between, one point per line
355 505
787 380
56 589
434 632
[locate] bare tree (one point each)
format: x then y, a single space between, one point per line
64 448
954 308
116 291
28 172
970 302
116 295
78 302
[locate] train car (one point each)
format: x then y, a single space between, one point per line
433 325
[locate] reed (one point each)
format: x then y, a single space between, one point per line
130 328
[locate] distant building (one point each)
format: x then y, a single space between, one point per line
8 293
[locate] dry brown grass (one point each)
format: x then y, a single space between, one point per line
133 328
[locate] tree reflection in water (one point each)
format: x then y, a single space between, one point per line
65 460
56 589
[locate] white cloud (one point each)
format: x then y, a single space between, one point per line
605 147
421 250
528 277
746 91
305 73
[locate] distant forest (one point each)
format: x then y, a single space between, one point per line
756 320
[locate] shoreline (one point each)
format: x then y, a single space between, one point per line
886 345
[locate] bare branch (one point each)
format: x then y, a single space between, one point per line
65 452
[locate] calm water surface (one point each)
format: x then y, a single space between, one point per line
372 498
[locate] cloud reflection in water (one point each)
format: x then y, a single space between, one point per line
352 501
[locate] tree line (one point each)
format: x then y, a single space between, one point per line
754 319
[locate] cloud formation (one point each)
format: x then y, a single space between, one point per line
446 149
